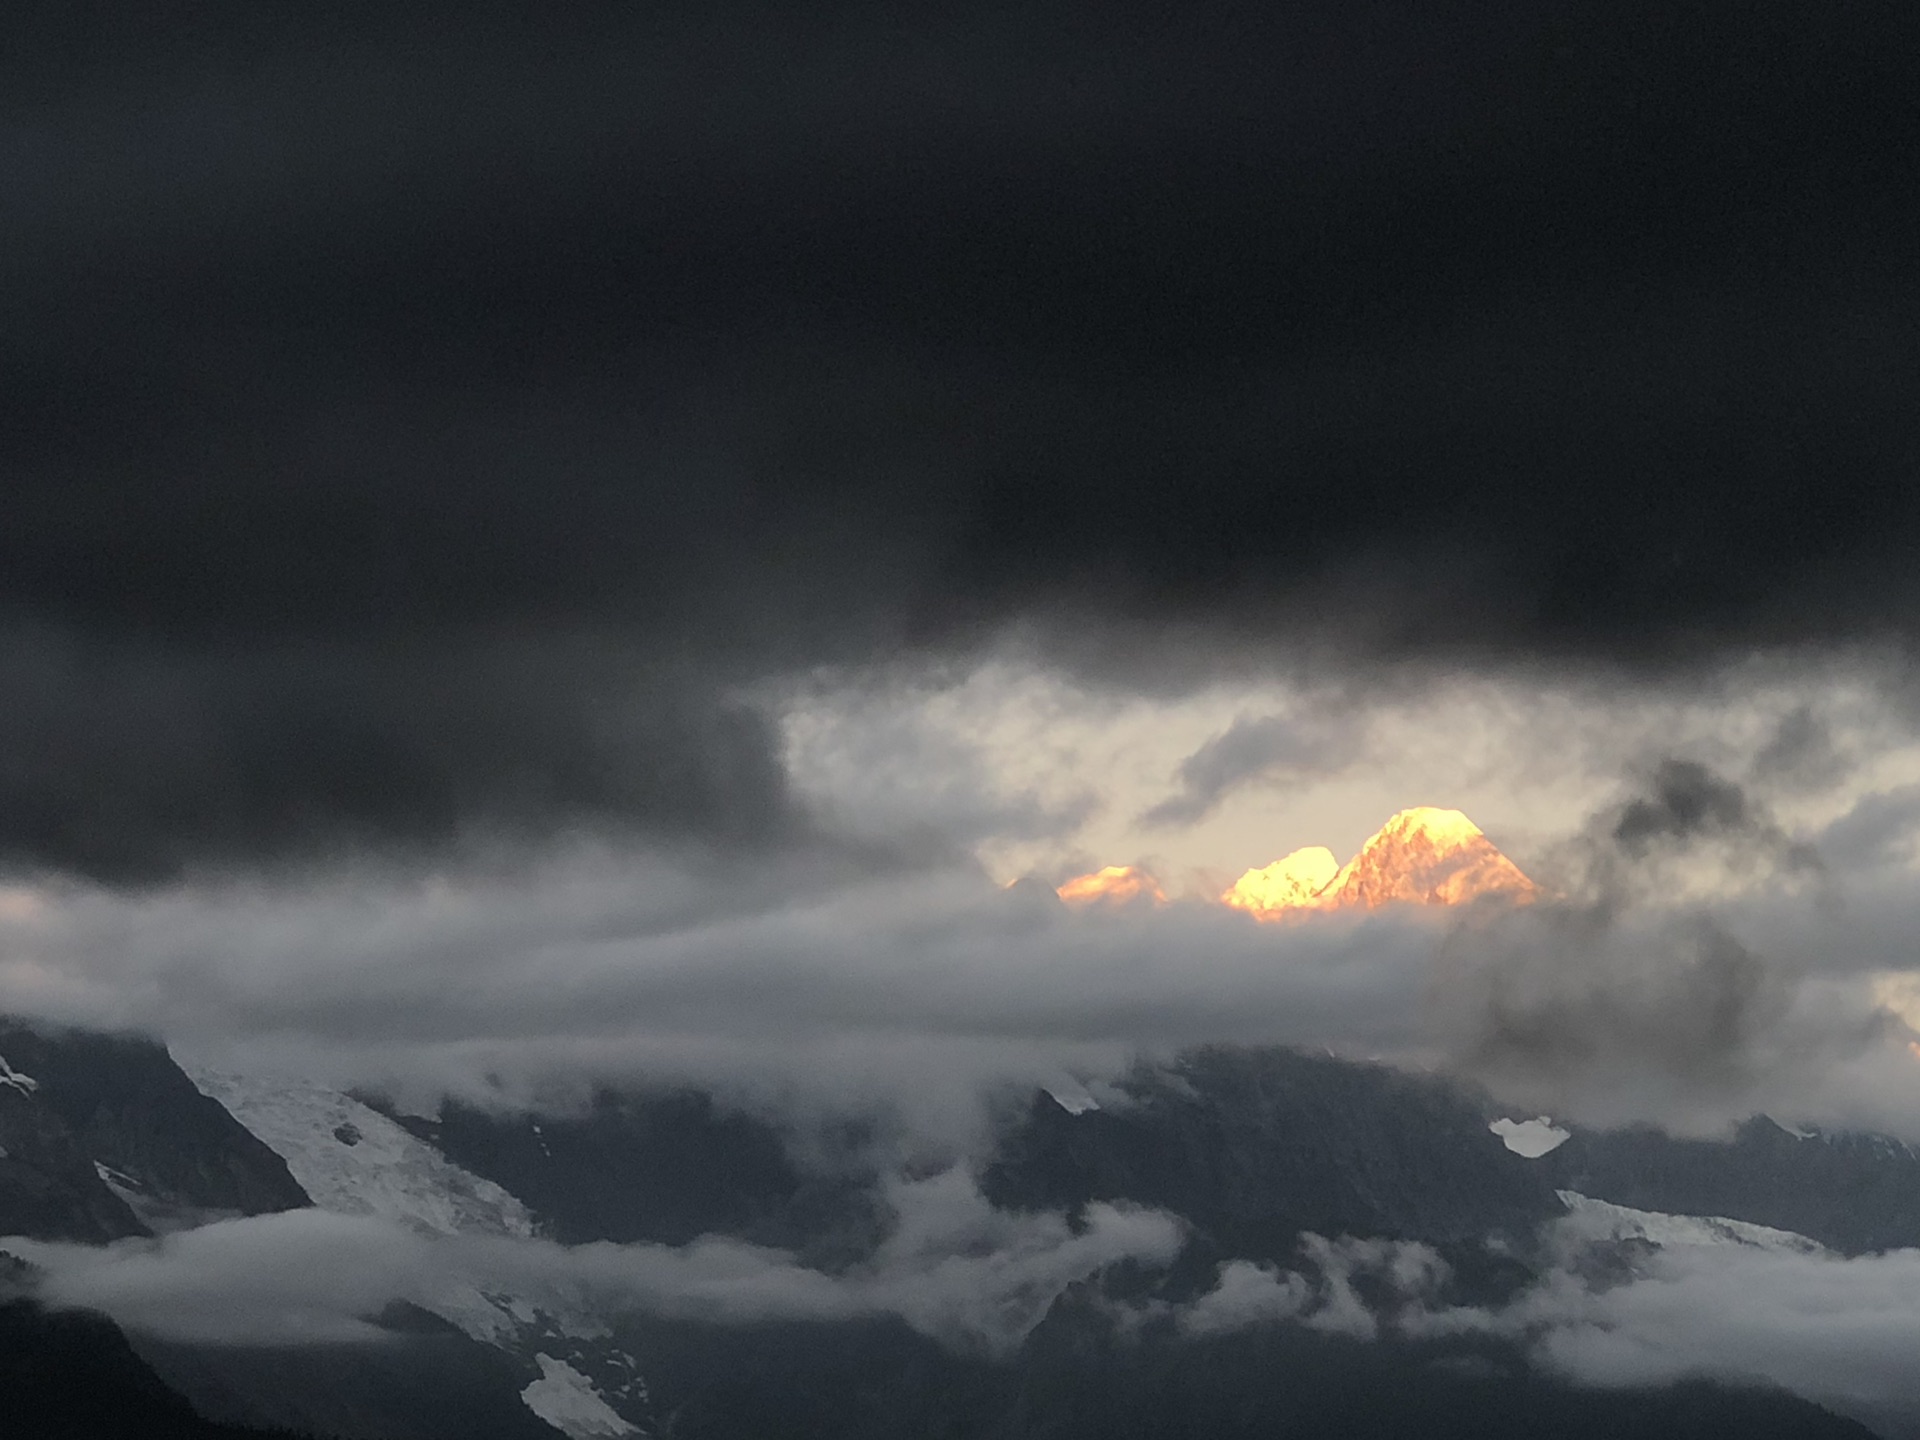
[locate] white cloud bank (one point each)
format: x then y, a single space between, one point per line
954 1268
923 991
1841 1332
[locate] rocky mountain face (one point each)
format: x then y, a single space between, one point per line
1255 1146
662 1167
1854 1193
170 1154
49 1188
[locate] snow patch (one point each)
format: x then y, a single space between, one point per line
25 1084
1073 1098
1531 1138
117 1180
384 1171
566 1400
1602 1220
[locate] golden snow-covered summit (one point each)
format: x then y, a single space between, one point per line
1422 856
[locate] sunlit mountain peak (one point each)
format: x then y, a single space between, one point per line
1422 856
1116 884
1425 856
1287 885
1432 824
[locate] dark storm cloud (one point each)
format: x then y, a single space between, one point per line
1252 748
1579 1012
1678 813
771 337
133 764
1684 970
1686 800
1802 753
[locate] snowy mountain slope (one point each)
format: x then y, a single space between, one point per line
1856 1193
1600 1220
354 1161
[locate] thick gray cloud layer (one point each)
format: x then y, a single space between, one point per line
348 362
925 989
780 978
1673 1017
135 763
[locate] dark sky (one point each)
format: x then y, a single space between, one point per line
420 418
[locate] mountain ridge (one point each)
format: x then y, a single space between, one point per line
1248 1146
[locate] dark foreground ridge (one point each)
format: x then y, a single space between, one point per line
73 1376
